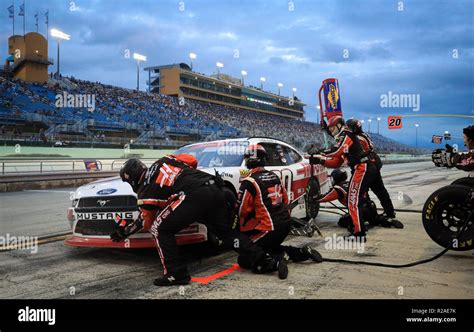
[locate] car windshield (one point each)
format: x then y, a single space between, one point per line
217 154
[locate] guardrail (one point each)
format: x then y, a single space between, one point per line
61 165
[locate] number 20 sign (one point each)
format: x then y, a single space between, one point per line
394 122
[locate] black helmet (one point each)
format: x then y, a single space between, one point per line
354 125
469 131
338 176
132 171
255 155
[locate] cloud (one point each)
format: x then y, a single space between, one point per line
409 51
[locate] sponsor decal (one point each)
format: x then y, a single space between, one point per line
244 173
103 215
107 191
353 193
92 165
225 174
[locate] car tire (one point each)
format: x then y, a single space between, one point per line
466 181
313 190
445 212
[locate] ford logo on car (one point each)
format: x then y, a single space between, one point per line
107 191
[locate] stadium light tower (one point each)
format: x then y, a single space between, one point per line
294 90
378 125
416 135
192 56
219 65
139 58
280 85
59 35
243 73
370 121
262 79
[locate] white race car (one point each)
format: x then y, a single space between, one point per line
96 205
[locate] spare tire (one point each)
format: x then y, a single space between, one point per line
444 214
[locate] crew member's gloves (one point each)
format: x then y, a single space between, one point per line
443 158
120 233
316 160
436 157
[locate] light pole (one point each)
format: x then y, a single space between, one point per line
192 56
416 135
378 126
262 79
243 73
219 65
362 121
59 35
280 85
294 90
370 120
139 58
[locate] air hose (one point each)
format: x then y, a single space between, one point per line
397 266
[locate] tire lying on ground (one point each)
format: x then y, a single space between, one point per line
444 214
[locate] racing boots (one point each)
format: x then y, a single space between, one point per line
386 221
312 254
268 264
178 278
282 266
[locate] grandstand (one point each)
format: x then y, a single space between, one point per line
179 80
29 114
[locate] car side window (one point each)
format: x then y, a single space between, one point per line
275 154
292 156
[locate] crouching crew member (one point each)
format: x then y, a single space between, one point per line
262 210
171 195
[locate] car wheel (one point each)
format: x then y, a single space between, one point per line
444 214
313 190
466 181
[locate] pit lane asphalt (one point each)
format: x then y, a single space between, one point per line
57 271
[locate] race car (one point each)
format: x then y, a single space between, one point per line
96 205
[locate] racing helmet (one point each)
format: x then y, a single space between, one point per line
335 125
354 125
338 176
132 171
255 155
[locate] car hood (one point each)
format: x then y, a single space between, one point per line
105 188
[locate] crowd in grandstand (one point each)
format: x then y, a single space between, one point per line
118 107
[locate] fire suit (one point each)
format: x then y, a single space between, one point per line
377 185
364 173
262 210
464 161
171 196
